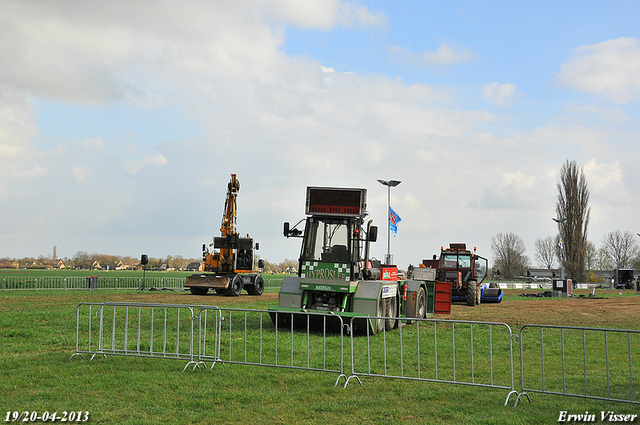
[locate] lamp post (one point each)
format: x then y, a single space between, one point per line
389 184
559 222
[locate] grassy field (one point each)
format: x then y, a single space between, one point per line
37 336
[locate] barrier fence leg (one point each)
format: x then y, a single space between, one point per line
518 339
196 363
77 337
353 372
101 335
342 329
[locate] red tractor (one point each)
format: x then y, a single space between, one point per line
464 269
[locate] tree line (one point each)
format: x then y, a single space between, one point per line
84 261
570 247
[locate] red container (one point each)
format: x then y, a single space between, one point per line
443 298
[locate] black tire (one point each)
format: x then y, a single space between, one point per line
472 295
235 286
198 290
220 291
421 304
257 288
391 311
380 323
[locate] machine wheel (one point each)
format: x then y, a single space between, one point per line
421 304
235 287
382 303
219 291
493 285
257 288
472 295
198 290
391 311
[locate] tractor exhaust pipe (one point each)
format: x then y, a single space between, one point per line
372 236
366 251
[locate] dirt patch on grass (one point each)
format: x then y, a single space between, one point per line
608 309
25 299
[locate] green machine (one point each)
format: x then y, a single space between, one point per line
336 280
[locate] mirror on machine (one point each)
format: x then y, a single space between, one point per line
373 234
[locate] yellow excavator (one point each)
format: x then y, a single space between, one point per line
228 269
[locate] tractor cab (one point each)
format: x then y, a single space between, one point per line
329 243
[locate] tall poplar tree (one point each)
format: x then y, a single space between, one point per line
573 213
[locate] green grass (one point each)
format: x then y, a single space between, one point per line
37 336
30 279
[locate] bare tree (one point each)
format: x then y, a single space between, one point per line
603 260
82 260
545 252
592 256
573 219
179 262
622 248
508 254
636 262
287 264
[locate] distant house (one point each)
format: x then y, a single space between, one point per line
9 264
193 267
59 264
96 266
121 266
39 265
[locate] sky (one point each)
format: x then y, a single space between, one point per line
121 121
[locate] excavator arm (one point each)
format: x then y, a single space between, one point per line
223 259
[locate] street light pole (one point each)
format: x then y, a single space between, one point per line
389 184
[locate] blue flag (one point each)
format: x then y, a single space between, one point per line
394 219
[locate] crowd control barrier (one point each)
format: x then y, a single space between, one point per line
591 363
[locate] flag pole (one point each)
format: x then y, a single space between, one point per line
389 184
387 259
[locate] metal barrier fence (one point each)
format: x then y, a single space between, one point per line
104 282
582 362
136 329
590 363
88 282
240 336
447 351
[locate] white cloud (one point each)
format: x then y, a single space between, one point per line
18 159
610 69
514 190
324 14
499 94
606 179
157 160
446 54
589 113
80 173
